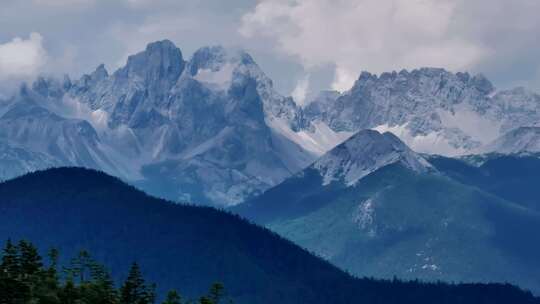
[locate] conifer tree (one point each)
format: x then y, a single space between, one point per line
30 260
102 285
205 300
10 266
134 290
81 266
51 279
173 298
53 262
216 293
24 279
151 294
69 293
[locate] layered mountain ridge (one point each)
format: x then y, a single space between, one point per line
518 141
352 176
433 110
187 247
375 208
212 129
363 153
188 130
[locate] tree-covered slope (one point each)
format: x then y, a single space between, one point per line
411 225
188 247
512 177
76 209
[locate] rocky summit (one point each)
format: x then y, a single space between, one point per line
432 110
212 129
195 131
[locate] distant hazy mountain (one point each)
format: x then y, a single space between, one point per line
518 141
375 208
432 110
511 177
188 247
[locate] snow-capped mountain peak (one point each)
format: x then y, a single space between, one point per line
364 153
195 130
217 67
432 110
100 73
213 129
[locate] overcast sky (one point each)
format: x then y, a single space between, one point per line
303 45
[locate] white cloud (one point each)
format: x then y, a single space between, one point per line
138 3
64 3
496 37
21 58
374 35
301 90
343 79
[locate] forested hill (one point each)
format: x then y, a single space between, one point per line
188 248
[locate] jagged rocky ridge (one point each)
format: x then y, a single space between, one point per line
364 153
523 140
212 129
339 169
188 247
198 130
432 110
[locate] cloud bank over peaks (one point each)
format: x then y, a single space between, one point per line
64 3
368 35
21 58
301 91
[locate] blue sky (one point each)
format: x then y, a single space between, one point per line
304 45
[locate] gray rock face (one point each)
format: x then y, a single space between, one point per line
15 161
192 131
364 153
136 89
432 110
518 141
374 207
213 130
27 123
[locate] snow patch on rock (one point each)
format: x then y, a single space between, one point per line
431 143
364 153
220 79
318 140
479 127
432 110
364 217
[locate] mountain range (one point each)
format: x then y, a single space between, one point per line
432 110
418 174
212 129
192 130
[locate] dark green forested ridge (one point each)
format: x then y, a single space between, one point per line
188 247
512 177
473 224
26 278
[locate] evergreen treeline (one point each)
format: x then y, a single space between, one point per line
188 247
26 278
